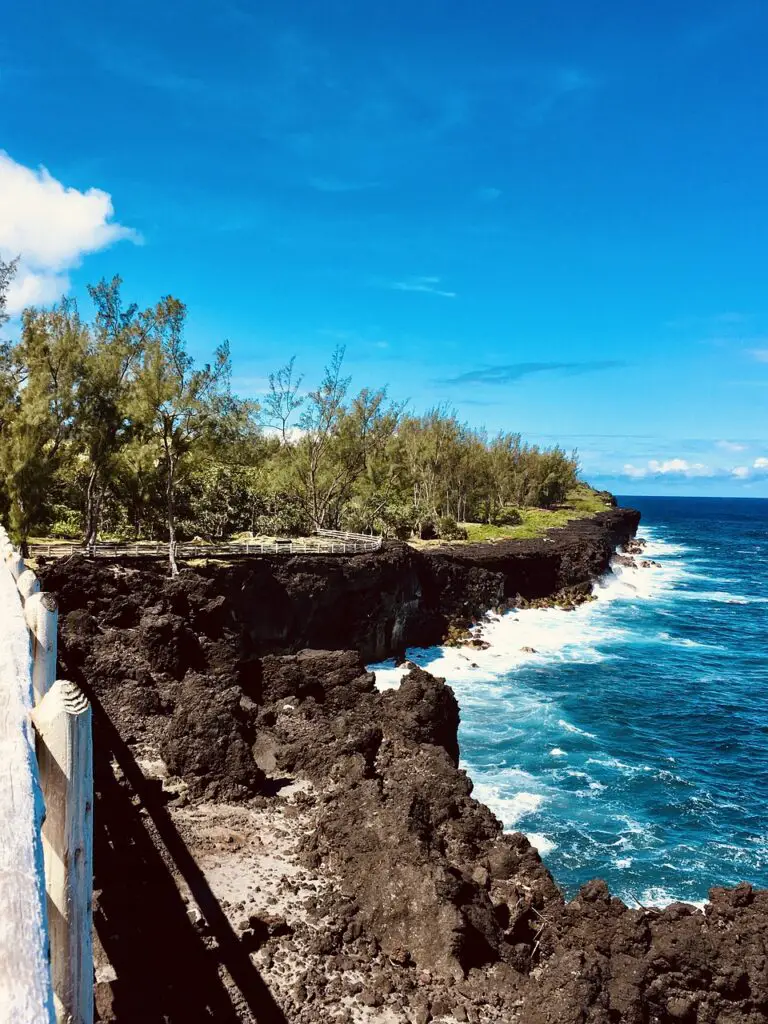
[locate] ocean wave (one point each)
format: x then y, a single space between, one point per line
574 729
656 896
682 641
509 808
542 843
722 597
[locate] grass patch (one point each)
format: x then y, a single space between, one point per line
582 503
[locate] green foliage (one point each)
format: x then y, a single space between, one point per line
507 515
67 523
280 515
449 529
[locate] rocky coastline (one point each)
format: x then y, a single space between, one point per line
276 840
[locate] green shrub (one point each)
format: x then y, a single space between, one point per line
449 529
67 523
507 516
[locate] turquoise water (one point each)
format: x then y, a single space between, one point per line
633 744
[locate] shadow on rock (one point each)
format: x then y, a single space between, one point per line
168 967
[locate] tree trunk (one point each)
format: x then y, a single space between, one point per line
94 498
89 538
171 505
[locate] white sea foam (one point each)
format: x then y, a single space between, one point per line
656 896
542 843
557 752
510 809
574 729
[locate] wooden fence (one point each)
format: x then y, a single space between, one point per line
323 542
46 810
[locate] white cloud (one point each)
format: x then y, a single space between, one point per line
760 354
681 466
731 446
761 463
431 285
740 472
669 467
51 227
635 472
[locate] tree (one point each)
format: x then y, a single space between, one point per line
181 409
338 443
103 426
283 399
47 363
7 274
8 381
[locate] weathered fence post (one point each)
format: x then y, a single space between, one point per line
42 614
28 584
63 723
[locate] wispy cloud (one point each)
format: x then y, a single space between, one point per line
428 285
726 321
731 446
512 372
488 194
760 354
556 85
340 185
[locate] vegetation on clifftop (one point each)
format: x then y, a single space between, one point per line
109 429
580 503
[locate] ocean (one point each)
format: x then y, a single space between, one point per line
632 743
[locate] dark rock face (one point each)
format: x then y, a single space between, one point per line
208 741
398 823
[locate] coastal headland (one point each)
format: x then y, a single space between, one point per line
278 840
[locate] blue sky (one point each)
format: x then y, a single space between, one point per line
552 216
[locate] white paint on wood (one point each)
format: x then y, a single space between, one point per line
25 984
42 614
15 563
63 724
28 584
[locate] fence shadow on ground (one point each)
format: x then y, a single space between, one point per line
167 971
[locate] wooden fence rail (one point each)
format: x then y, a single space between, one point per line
46 810
324 542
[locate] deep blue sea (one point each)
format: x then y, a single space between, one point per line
633 744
